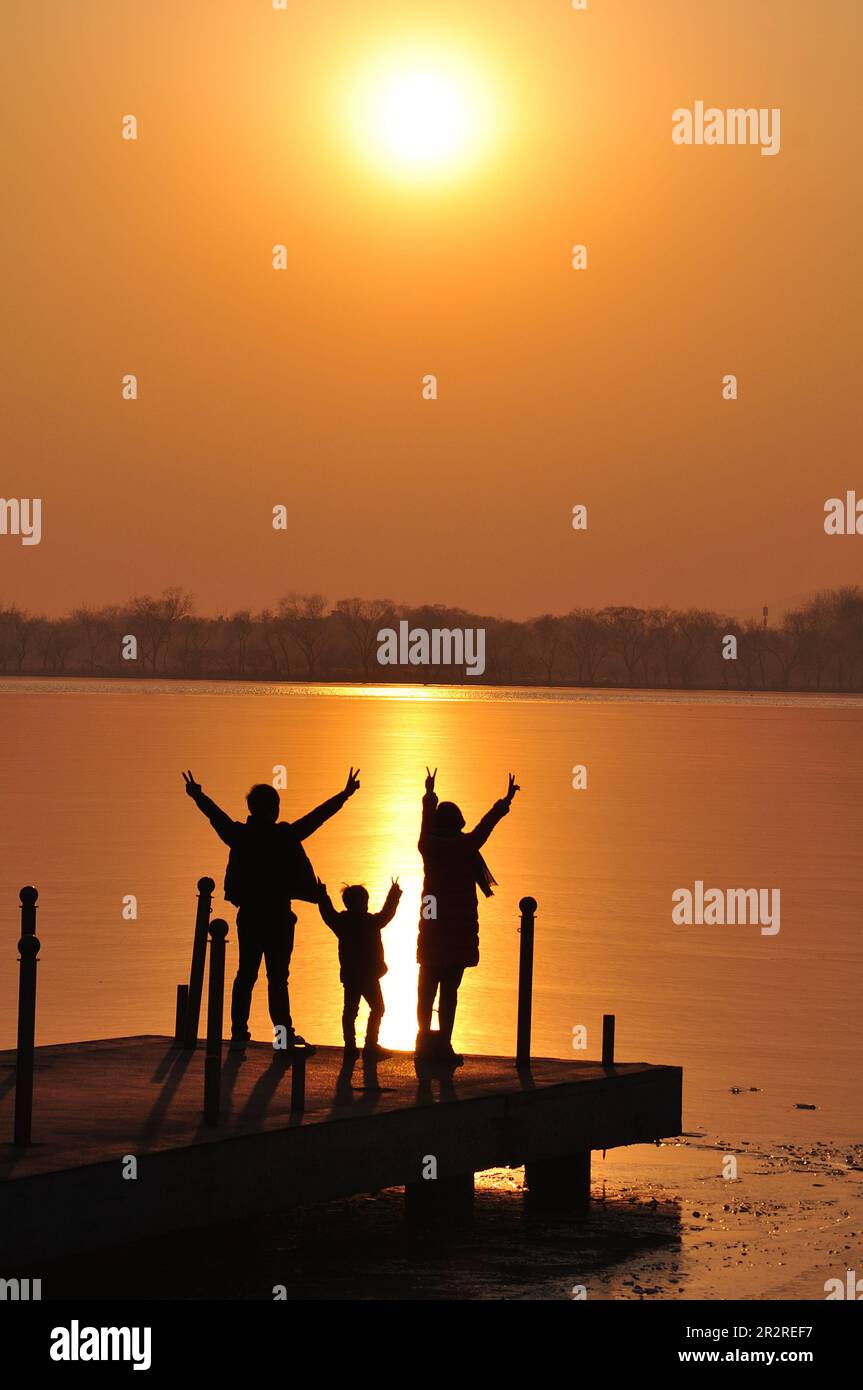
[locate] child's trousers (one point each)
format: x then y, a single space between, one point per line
354 992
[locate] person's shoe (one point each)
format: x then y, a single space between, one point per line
297 1043
373 1052
351 1052
424 1050
444 1053
239 1044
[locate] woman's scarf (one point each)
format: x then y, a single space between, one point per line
483 875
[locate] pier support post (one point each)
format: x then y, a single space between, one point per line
215 1012
192 1018
28 951
527 907
560 1184
440 1201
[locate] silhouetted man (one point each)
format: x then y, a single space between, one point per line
267 868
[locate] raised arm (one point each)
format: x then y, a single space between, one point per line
483 828
391 902
225 828
326 909
313 820
430 801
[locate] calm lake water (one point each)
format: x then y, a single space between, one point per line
737 791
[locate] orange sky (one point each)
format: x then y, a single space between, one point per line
556 387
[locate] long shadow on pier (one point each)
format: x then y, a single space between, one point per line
170 1072
272 1080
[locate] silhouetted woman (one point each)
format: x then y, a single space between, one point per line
449 922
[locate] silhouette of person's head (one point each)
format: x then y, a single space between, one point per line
355 897
449 819
263 802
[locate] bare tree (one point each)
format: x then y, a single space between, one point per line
15 632
847 606
546 634
236 636
304 617
586 641
507 650
272 637
193 640
154 621
92 631
362 619
629 635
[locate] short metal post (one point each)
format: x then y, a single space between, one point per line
28 951
608 1040
182 1004
206 887
527 907
298 1082
215 1010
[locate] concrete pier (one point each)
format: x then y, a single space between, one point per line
99 1105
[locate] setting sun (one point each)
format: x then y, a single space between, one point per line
418 116
421 117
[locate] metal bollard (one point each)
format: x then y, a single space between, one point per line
28 951
215 1012
525 982
192 1018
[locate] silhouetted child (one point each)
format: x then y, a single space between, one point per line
361 958
448 940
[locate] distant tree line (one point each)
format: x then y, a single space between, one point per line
818 646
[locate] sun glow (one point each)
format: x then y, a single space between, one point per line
419 115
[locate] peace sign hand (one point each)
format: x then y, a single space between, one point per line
352 783
193 788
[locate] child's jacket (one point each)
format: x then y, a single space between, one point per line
361 951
